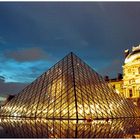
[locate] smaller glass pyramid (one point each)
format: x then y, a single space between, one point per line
69 90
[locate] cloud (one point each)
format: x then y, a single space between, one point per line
14 71
10 88
27 54
96 32
24 65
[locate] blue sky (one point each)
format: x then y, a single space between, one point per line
35 35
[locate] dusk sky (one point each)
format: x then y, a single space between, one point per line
34 36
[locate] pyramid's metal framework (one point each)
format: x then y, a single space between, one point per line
69 90
42 128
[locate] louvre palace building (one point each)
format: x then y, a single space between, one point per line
128 84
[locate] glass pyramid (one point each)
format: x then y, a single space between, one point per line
42 128
69 90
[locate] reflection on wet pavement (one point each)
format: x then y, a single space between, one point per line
42 128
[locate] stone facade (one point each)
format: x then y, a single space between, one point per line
129 85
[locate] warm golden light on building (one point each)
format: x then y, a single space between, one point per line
129 85
131 75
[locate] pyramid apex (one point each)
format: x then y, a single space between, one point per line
71 53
